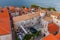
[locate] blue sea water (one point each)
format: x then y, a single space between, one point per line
43 3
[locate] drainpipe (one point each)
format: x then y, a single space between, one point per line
23 29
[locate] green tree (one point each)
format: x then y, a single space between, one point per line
50 8
34 6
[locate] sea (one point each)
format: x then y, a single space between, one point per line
28 3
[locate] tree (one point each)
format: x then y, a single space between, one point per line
34 6
50 8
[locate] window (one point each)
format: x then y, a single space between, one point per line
57 21
44 35
55 32
1 11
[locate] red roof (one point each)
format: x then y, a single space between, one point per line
4 22
50 37
52 27
12 8
58 36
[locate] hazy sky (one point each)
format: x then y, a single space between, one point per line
44 3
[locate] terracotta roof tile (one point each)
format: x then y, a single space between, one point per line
50 37
4 23
12 8
58 36
52 27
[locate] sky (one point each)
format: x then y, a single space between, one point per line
42 3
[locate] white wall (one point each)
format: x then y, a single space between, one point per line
6 37
42 14
45 27
56 21
53 16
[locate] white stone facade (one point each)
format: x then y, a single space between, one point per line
6 37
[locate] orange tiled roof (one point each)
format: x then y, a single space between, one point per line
4 22
48 18
58 36
26 9
12 8
52 27
43 11
50 37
